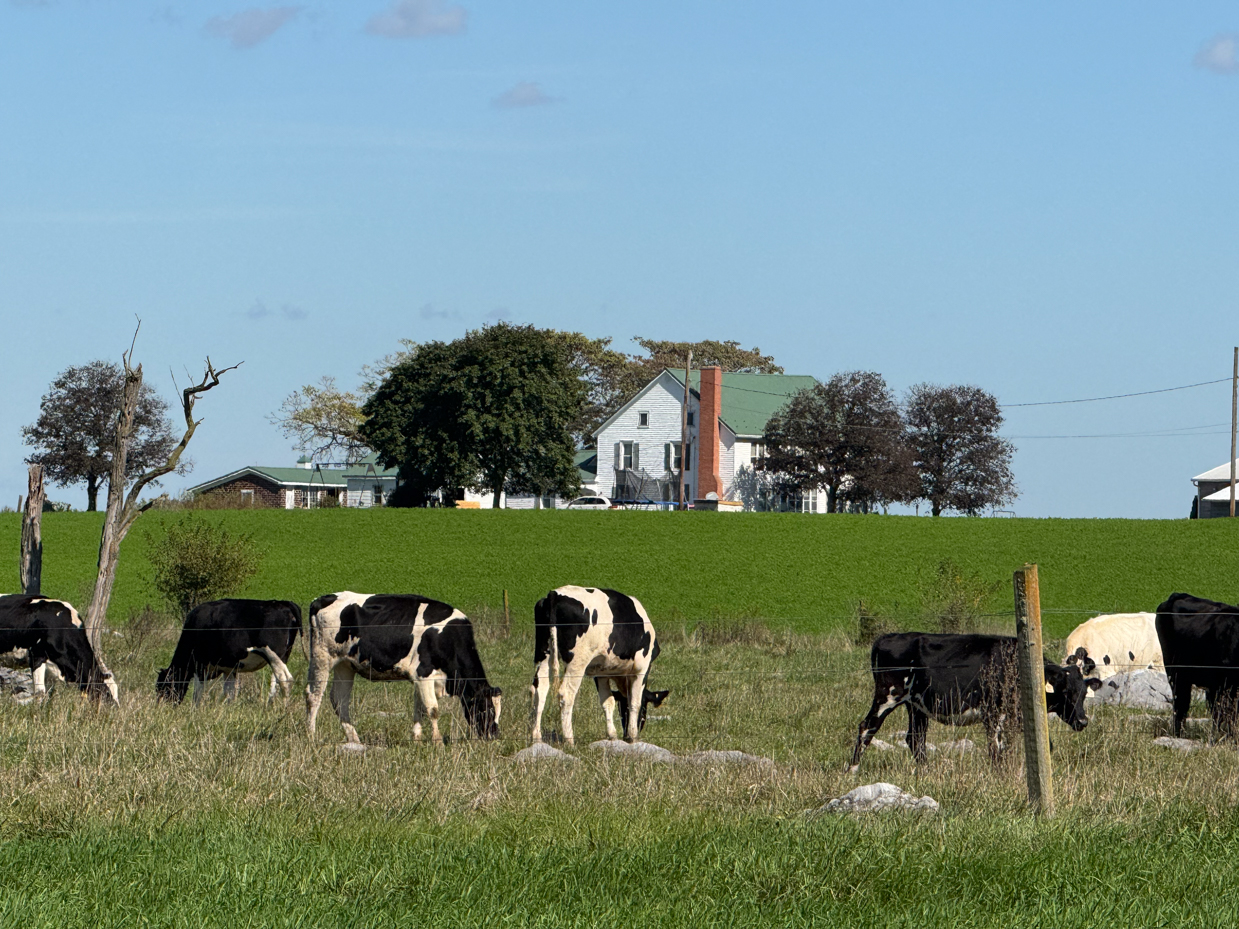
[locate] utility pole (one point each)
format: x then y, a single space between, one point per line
1234 420
688 366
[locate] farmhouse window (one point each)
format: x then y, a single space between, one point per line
643 420
690 417
247 498
671 456
627 455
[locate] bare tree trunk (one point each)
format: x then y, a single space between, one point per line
109 542
31 564
124 509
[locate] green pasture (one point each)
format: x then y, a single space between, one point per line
802 571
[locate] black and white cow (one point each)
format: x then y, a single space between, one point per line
598 633
1200 646
55 641
224 637
961 679
398 637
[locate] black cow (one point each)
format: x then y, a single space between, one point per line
398 637
1200 648
598 633
52 633
961 679
224 637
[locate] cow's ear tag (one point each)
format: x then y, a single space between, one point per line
1049 688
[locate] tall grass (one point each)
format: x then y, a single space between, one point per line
210 815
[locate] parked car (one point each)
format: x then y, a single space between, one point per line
589 503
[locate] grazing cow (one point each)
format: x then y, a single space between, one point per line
961 679
398 637
224 637
1117 642
55 641
598 633
1200 645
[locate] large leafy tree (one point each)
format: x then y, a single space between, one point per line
846 435
491 410
75 433
961 461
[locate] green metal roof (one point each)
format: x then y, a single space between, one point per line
324 477
749 400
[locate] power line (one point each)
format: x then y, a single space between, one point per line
1141 393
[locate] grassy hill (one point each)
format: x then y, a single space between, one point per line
785 569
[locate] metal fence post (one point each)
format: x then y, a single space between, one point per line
1031 658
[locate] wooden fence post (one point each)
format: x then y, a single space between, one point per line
1031 658
507 616
31 564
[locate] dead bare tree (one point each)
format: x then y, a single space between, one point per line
123 509
31 563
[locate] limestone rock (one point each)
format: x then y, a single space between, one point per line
874 798
1179 745
540 751
642 750
1146 690
353 748
727 757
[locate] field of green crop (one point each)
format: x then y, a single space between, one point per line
226 813
807 572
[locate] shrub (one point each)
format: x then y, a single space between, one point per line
869 624
196 561
954 599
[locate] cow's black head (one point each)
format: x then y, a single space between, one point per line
1087 665
648 698
1065 692
168 687
482 709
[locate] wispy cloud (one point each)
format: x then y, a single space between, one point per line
417 19
430 311
249 27
1220 54
499 315
526 93
288 311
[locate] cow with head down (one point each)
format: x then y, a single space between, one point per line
961 679
398 637
55 642
601 634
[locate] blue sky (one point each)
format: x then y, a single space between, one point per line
1039 201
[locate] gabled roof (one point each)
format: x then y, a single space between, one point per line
587 465
749 400
301 477
1220 473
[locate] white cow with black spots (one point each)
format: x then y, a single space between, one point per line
1117 642
597 633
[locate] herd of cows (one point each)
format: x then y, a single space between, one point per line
597 633
607 636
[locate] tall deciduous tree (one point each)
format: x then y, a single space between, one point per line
962 462
324 421
492 410
75 433
846 435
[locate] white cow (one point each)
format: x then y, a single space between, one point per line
1118 642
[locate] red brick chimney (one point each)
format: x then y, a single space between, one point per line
707 432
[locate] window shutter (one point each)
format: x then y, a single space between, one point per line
619 455
667 456
636 456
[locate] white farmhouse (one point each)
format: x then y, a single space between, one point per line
639 446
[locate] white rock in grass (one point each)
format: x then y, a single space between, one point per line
882 746
353 748
958 746
642 750
873 798
727 757
1146 690
540 751
1179 745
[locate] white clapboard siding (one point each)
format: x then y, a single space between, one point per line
662 399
